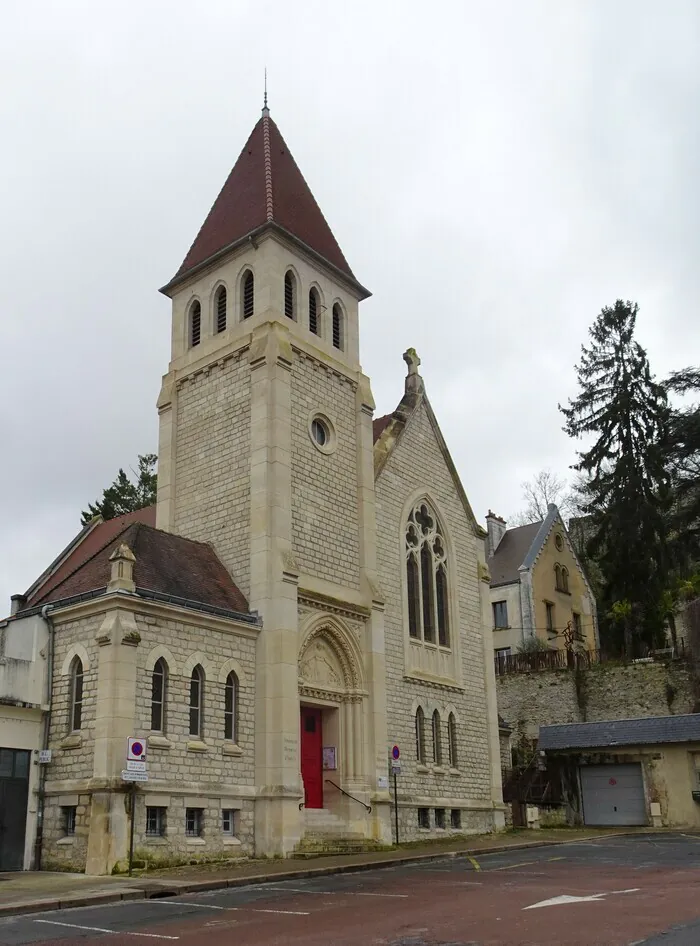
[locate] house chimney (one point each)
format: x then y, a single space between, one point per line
17 602
496 528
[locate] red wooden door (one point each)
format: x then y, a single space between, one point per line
312 757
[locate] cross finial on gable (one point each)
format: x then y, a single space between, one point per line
414 382
410 356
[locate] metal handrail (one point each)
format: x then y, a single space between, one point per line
368 807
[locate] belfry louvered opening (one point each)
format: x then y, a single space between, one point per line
314 311
290 295
248 295
338 333
221 302
195 324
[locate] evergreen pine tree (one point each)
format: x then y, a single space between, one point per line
684 453
124 495
625 410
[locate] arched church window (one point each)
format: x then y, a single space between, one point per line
195 323
221 302
196 700
420 735
338 327
75 719
427 577
452 740
290 295
314 311
248 295
231 708
437 739
159 679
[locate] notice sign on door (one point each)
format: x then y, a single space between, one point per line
329 758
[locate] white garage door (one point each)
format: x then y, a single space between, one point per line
613 794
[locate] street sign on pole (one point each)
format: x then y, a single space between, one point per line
395 754
136 749
396 768
134 776
132 766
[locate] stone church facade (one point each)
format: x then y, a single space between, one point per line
310 589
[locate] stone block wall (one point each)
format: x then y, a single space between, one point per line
416 465
61 851
325 527
212 463
605 691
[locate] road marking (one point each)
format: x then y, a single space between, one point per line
473 861
556 858
339 893
99 929
513 866
186 903
565 898
213 906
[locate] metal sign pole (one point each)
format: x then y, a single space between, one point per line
133 819
396 810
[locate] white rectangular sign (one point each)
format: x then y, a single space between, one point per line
44 756
134 776
132 766
382 782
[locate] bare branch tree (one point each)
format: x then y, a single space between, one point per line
544 488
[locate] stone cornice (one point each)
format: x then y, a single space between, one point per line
135 604
432 682
320 360
330 605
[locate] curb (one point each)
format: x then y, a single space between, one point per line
166 890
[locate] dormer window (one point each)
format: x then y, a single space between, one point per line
195 323
248 295
338 327
221 309
314 311
290 295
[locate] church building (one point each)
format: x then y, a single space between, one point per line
310 590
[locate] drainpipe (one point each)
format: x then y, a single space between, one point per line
45 738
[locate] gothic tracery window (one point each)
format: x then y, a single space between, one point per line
427 578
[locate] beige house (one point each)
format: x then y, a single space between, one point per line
310 591
538 586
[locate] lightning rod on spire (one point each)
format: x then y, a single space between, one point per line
265 108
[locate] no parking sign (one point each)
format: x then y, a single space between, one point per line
136 750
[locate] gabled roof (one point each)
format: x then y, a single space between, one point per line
166 564
265 188
511 552
621 732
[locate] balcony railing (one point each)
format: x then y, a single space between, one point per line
562 659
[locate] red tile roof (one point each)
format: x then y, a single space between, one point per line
165 563
265 186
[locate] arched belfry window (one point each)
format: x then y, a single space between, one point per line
290 295
338 327
248 295
195 323
221 302
159 680
75 720
314 311
427 578
231 708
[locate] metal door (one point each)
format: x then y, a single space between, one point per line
613 794
14 793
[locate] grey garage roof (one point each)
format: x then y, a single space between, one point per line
621 732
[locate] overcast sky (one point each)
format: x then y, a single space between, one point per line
495 172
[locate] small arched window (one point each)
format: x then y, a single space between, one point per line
196 700
248 295
290 295
76 695
221 302
557 577
437 739
452 740
159 680
427 584
420 735
565 579
231 708
195 323
338 327
314 311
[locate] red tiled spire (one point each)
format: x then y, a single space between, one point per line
264 187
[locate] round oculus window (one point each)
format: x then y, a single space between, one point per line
319 432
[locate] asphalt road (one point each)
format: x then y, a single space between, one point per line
615 891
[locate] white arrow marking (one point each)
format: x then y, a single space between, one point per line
565 898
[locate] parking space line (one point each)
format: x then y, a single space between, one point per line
339 893
513 866
214 906
99 929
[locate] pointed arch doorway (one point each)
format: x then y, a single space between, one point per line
332 705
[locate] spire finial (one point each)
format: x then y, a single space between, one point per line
266 110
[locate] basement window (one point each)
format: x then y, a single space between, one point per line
70 813
440 818
455 818
423 817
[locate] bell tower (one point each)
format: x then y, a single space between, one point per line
266 449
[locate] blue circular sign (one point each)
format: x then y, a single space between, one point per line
136 748
395 753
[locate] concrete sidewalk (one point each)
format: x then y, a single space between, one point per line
36 892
